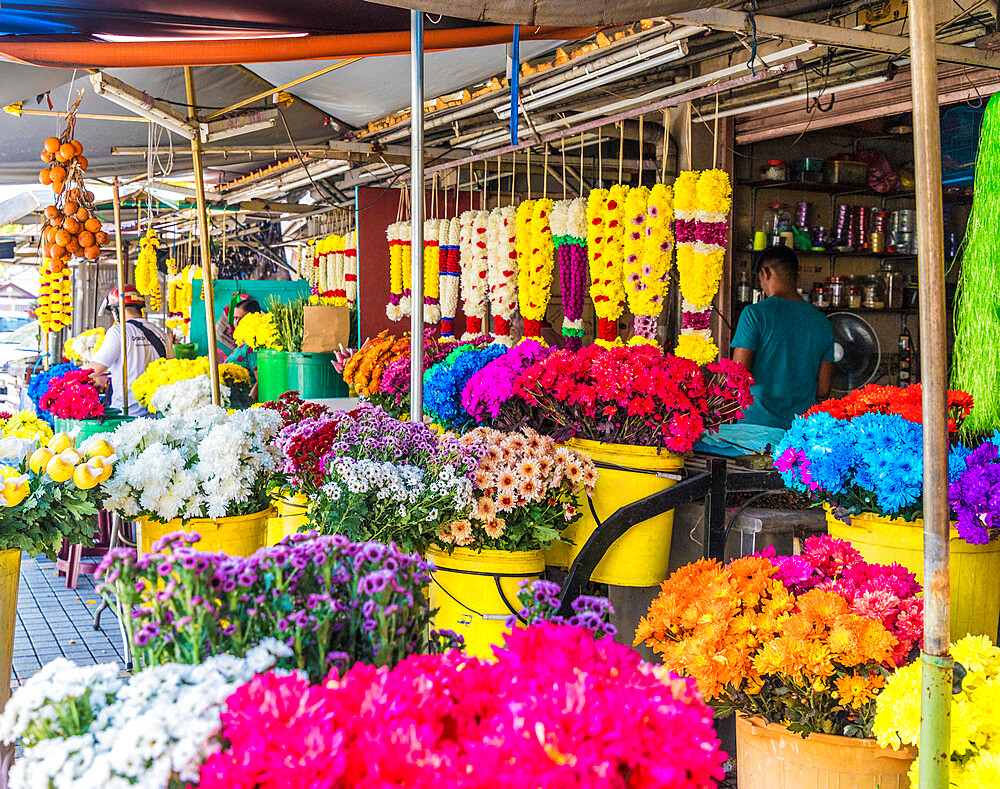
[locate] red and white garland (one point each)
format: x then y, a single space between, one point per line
449 271
474 265
501 240
351 268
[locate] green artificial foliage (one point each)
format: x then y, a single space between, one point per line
976 363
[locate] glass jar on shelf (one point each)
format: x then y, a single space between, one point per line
854 297
838 287
821 297
871 294
774 170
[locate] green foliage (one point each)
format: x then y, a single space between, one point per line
51 513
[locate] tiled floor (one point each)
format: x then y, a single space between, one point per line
53 621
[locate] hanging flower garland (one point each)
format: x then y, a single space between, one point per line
501 235
351 269
450 272
474 263
432 270
179 296
398 234
605 229
147 278
569 233
648 258
55 296
335 267
536 267
705 200
308 264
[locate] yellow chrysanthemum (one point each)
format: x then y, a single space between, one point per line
24 424
257 330
698 349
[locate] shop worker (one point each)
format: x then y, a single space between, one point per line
144 343
785 342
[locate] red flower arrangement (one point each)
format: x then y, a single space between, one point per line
73 395
904 402
293 408
634 395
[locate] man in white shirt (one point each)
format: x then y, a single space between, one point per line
144 343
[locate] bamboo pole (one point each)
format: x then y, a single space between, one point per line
205 248
417 216
120 265
937 665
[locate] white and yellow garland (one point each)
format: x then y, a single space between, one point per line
501 235
432 269
648 250
398 235
605 211
474 261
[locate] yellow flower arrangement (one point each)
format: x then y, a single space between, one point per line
55 297
699 274
147 278
714 193
83 346
535 263
24 424
163 372
257 330
699 349
975 714
605 211
686 193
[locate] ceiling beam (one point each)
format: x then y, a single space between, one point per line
849 38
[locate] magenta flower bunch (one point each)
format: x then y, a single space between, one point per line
333 602
556 709
887 593
490 391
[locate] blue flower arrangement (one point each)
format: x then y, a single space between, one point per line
444 382
39 385
871 463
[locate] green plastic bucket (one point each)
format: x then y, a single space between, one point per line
272 374
312 375
90 427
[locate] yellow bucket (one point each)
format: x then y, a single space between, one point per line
975 593
291 515
10 576
475 593
641 556
769 755
239 535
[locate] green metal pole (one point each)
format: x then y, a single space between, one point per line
935 707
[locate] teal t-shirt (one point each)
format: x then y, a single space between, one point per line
789 340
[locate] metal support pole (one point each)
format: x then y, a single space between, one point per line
120 256
417 216
204 246
935 709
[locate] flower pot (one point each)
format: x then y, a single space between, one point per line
641 556
975 595
291 516
90 427
769 755
312 375
239 535
475 593
272 374
10 576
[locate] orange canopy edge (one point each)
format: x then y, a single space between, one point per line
78 52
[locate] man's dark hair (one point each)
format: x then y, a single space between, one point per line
249 305
781 261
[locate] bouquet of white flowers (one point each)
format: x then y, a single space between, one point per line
187 395
85 727
203 464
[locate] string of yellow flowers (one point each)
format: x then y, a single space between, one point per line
55 297
535 265
147 278
432 271
647 273
605 230
702 202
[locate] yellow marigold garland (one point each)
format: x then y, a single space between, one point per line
535 265
147 278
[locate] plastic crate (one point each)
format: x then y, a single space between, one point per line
959 142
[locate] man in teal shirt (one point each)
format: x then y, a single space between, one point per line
786 343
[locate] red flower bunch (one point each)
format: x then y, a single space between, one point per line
73 395
904 402
303 445
634 395
293 408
